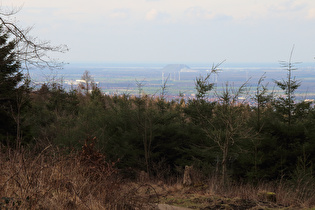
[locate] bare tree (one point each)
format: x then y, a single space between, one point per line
89 83
20 50
30 51
229 123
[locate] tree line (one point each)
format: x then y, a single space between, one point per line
226 138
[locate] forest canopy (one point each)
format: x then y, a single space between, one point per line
225 138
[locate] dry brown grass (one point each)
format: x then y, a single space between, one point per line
55 180
210 194
287 193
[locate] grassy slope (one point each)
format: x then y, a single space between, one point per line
53 179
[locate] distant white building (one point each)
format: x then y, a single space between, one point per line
78 81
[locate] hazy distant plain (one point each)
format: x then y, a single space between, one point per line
130 78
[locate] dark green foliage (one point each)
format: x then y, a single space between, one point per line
54 113
263 99
199 111
225 138
203 84
161 137
285 106
13 94
144 133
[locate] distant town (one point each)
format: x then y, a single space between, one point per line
178 80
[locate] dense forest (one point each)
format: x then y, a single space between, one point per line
225 138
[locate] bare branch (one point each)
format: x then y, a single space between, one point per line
30 51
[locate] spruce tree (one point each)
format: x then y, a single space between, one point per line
285 105
10 77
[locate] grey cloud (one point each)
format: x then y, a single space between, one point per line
200 13
120 13
223 17
197 12
289 6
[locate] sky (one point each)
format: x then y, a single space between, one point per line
172 31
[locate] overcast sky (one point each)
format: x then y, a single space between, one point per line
173 31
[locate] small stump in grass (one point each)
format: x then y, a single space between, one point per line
144 177
187 180
267 196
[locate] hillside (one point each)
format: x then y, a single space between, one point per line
175 68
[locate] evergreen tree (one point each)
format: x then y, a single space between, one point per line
10 77
285 105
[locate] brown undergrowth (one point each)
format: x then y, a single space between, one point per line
210 194
54 179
